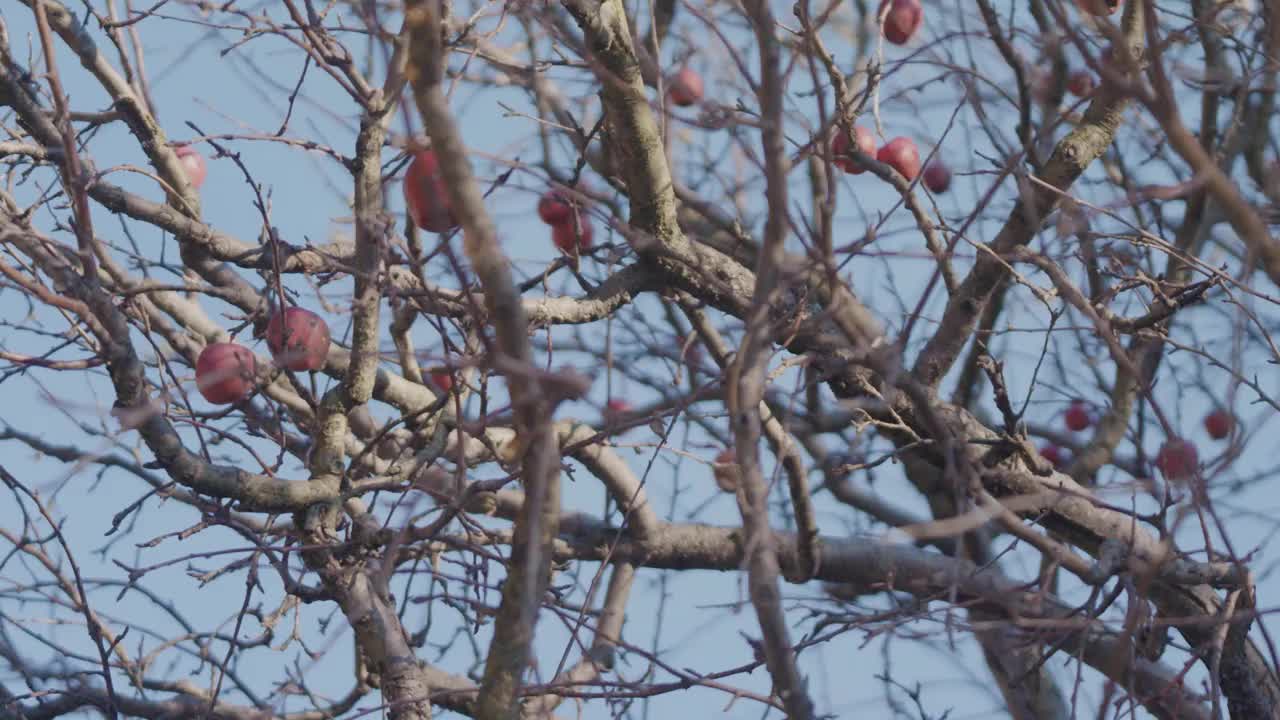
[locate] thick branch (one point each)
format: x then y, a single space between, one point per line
528 572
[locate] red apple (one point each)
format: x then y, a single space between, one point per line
725 470
937 177
224 372
299 339
555 208
1098 7
573 237
1219 423
1054 455
425 194
193 164
1177 459
1080 83
442 379
1077 416
901 154
903 20
615 409
685 88
866 143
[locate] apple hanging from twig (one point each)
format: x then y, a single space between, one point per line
901 154
1077 416
426 196
299 339
1054 455
937 177
225 372
1177 459
442 379
193 164
572 237
903 20
1219 423
865 141
685 87
555 208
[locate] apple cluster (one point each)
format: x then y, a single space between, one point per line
902 19
1177 458
298 339
900 153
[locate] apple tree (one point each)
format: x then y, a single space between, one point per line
590 358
